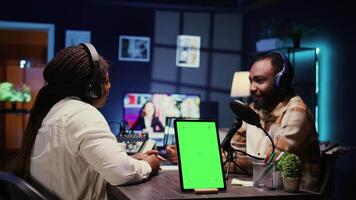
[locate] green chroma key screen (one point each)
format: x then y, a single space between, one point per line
199 155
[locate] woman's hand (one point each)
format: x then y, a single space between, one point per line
172 153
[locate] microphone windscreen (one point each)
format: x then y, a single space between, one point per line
245 113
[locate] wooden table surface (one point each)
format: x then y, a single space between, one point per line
166 185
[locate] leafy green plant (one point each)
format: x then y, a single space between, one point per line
279 163
8 92
291 166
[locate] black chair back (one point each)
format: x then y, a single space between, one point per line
13 187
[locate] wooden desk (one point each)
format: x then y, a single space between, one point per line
166 186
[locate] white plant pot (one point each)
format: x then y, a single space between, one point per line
291 184
279 182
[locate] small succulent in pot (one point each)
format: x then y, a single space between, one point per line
291 166
291 172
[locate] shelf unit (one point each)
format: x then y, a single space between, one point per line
14 115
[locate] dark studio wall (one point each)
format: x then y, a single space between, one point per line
334 33
331 22
106 22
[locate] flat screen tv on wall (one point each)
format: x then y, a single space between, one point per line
139 108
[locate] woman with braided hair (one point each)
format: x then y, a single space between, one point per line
67 147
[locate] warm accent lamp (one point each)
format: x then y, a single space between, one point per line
240 84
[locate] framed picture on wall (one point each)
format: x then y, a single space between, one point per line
134 48
75 37
188 51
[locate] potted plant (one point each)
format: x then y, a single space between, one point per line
291 172
295 32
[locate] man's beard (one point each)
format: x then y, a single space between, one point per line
267 101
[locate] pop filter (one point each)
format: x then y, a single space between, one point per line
248 115
245 113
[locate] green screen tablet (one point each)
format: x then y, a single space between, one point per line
200 163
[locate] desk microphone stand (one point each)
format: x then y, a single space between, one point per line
226 145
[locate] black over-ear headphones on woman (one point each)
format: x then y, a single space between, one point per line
94 87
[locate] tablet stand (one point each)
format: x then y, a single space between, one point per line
206 191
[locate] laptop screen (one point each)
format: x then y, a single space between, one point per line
169 137
198 147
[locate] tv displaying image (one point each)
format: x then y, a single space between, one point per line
150 110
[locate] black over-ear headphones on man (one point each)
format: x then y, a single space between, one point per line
94 87
282 78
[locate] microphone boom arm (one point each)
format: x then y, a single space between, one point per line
248 115
269 137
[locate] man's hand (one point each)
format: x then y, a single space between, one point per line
152 158
172 153
141 156
153 161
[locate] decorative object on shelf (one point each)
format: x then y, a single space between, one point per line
295 34
294 31
291 171
275 33
269 35
268 44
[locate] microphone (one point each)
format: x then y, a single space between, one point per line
236 124
245 113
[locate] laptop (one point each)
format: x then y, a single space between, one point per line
199 156
169 137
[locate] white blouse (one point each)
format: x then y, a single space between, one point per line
75 153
